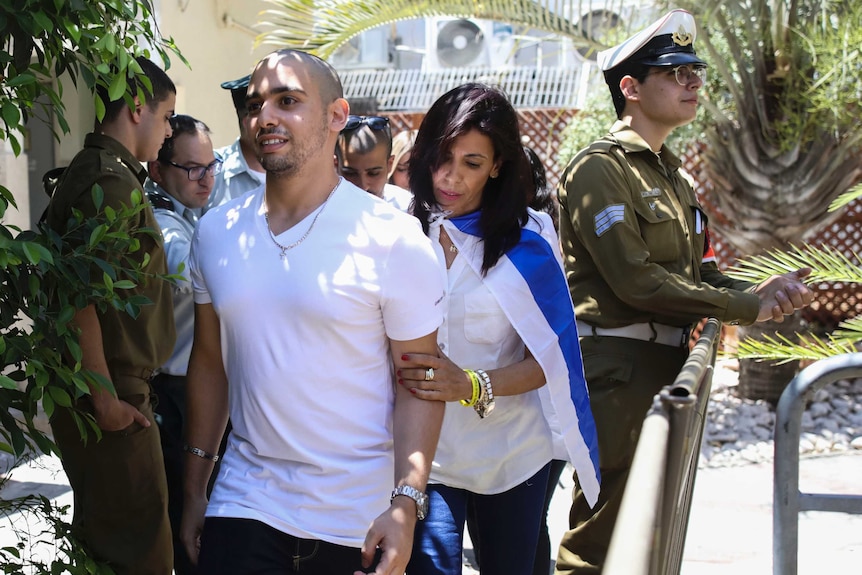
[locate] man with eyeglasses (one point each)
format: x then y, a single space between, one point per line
179 185
241 171
365 146
639 262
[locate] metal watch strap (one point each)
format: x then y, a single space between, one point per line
419 497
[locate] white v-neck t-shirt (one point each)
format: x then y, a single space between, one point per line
305 344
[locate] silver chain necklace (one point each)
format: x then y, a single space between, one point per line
284 249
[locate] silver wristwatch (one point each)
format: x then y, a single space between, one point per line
419 497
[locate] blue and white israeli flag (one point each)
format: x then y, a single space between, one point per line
530 286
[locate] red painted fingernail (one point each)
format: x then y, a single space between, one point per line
400 381
398 373
405 357
413 391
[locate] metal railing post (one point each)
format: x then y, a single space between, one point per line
633 545
787 501
649 536
687 400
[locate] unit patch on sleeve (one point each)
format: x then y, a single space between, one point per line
608 217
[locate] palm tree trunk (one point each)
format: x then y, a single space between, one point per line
767 379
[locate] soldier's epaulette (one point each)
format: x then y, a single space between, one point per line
601 146
159 201
110 162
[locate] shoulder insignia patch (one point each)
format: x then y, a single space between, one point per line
609 217
159 201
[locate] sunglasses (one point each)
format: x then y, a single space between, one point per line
376 123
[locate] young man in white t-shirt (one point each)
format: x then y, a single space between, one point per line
307 291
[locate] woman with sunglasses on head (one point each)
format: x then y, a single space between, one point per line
508 363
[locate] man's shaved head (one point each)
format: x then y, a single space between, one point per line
325 76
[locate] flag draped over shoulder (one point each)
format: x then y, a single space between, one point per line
529 284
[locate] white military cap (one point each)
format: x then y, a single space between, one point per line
669 41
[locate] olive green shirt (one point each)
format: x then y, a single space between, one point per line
634 239
131 344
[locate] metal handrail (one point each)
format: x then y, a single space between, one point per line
787 501
649 535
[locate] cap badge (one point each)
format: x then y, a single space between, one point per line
681 37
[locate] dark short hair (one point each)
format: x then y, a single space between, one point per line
363 140
636 70
162 87
480 107
181 124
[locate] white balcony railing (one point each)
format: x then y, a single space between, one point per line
527 87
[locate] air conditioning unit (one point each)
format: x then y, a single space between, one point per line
370 49
611 23
466 42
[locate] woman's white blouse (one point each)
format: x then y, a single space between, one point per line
494 454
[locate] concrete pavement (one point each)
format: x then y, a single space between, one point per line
730 531
730 527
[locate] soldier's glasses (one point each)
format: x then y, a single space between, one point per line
198 172
686 74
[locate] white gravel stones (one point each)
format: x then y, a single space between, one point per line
739 431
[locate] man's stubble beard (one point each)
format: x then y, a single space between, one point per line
295 160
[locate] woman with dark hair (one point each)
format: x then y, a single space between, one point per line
509 363
539 195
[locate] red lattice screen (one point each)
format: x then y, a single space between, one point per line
542 130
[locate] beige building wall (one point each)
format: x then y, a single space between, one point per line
216 37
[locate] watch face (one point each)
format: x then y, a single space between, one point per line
422 507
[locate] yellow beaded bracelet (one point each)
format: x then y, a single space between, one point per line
474 381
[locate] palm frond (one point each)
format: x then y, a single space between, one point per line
846 198
321 26
782 350
827 265
850 329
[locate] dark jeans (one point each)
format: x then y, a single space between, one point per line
170 415
506 529
247 547
542 563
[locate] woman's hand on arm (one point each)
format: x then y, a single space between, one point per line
451 383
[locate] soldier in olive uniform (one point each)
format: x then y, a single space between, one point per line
640 267
120 494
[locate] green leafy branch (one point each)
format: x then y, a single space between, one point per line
322 26
46 281
827 265
808 347
846 198
52 536
95 41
